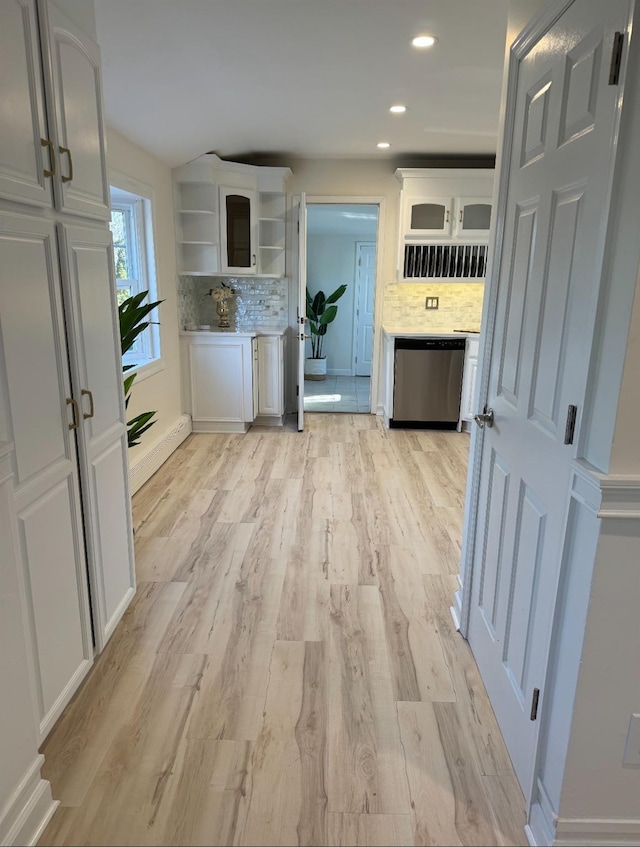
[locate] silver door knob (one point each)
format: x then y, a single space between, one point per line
485 418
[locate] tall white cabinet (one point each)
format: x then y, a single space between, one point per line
60 370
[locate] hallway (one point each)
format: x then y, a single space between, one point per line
288 672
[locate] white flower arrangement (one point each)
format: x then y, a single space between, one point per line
225 292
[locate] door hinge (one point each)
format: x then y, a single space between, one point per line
616 58
570 426
534 704
297 390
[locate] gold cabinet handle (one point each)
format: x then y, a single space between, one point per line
447 218
70 160
52 156
76 414
461 215
86 393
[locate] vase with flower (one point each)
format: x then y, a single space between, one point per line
221 297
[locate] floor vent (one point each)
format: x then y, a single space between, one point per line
445 261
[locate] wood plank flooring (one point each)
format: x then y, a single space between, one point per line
288 672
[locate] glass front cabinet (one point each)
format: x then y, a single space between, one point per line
239 230
426 217
473 216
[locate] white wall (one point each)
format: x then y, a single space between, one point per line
331 261
161 390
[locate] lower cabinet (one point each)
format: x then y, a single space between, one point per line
467 409
62 406
232 380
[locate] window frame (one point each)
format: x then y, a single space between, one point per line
137 201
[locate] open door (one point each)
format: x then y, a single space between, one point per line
302 303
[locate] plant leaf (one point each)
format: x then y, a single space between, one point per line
337 294
328 316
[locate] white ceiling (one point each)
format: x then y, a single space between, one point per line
309 78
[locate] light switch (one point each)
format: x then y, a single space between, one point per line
431 302
632 749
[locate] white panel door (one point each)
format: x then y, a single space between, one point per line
364 297
81 181
302 303
24 156
218 390
34 367
562 152
97 377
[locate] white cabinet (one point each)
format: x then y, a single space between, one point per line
66 149
218 372
61 399
444 223
271 377
230 218
467 409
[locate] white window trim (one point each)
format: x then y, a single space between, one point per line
145 264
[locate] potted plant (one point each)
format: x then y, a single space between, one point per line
132 313
321 311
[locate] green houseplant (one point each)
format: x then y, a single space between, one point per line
321 311
132 313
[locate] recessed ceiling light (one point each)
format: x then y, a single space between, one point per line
398 109
424 41
383 144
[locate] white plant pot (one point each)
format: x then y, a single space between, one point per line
316 368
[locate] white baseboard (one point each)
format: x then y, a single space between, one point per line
546 830
29 809
145 467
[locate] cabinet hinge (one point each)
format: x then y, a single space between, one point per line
570 426
534 704
616 58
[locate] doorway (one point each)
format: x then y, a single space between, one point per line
341 241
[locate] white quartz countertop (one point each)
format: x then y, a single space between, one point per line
236 333
434 332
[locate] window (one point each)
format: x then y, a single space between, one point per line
133 254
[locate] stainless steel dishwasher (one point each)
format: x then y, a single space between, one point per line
427 382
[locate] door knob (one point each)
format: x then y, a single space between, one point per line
485 418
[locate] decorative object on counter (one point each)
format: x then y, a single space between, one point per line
132 313
321 311
221 296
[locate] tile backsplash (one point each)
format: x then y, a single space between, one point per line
259 302
460 305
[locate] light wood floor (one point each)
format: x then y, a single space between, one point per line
288 672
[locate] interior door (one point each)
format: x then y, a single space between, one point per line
302 302
35 371
559 180
365 284
97 377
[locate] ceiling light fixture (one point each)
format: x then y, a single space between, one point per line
424 41
398 110
383 144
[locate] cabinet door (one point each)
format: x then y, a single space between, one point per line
97 375
270 383
81 181
238 230
221 380
468 392
427 216
35 375
473 216
23 157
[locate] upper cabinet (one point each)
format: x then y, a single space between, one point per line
57 143
444 222
231 218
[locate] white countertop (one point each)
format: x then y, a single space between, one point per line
434 332
236 333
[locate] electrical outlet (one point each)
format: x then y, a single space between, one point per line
631 756
432 303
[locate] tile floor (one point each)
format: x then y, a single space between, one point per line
338 394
